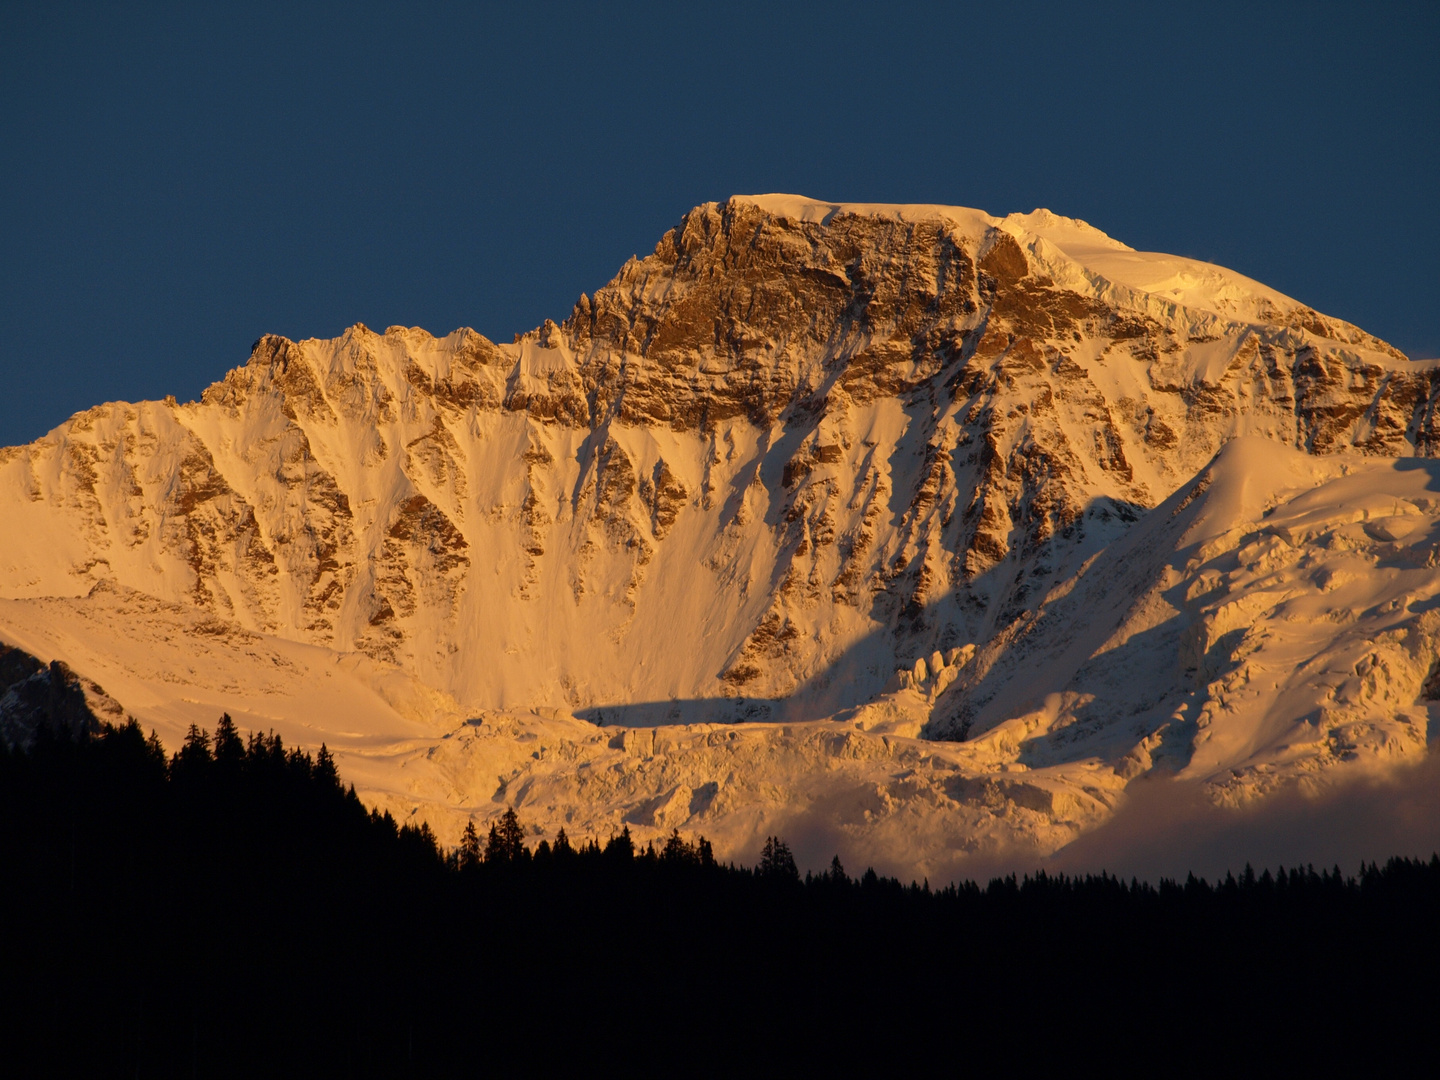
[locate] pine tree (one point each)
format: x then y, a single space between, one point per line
194 754
506 842
776 861
325 770
229 746
471 854
676 851
621 847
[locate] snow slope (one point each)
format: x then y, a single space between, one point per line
967 522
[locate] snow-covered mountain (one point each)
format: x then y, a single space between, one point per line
925 529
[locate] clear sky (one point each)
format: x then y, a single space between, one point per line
177 180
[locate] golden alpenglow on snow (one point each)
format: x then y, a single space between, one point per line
924 532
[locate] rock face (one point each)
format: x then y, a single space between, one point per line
35 696
798 448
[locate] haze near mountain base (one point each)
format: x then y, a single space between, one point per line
905 531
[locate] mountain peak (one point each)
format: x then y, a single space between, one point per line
832 476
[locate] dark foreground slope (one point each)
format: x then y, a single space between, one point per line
234 911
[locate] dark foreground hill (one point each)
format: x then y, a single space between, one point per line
235 911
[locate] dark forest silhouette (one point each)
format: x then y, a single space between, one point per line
233 910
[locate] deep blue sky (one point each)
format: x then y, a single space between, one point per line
177 180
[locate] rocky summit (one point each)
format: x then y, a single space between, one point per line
915 532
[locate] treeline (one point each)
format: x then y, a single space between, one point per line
234 910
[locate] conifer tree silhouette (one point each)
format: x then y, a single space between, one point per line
620 846
325 770
195 753
229 746
678 851
506 842
776 861
471 854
